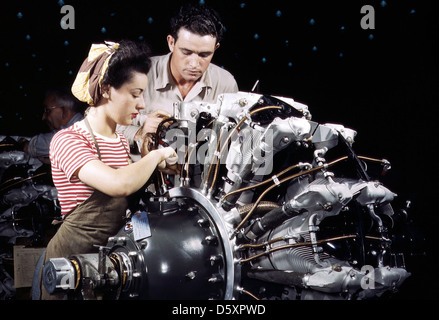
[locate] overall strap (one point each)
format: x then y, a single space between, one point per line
93 136
87 124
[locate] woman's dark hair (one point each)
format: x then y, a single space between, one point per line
197 19
129 57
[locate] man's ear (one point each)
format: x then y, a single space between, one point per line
171 42
217 45
67 114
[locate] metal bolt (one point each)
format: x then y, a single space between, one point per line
215 278
143 244
214 259
336 267
204 223
211 239
191 275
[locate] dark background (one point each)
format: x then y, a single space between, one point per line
383 83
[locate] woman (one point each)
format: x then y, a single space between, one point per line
90 161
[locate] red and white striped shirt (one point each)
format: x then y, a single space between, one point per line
73 147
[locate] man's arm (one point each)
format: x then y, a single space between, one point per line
38 145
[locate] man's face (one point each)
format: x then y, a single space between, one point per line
191 55
53 112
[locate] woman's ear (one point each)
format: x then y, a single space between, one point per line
105 91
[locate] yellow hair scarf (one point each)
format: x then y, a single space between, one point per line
87 85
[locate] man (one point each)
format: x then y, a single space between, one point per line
186 72
61 110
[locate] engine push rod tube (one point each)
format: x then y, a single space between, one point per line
280 182
298 165
324 166
294 245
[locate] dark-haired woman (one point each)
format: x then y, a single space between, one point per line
91 164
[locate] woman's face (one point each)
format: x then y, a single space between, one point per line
124 103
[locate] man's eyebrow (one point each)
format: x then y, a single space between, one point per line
197 52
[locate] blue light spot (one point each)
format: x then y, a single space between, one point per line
103 30
264 60
7 64
61 2
342 28
70 72
290 64
19 15
278 13
341 55
256 36
371 36
201 2
314 48
287 42
413 11
150 20
383 3
28 37
66 43
242 5
141 38
33 55
312 22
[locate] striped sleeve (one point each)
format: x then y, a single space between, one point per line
72 152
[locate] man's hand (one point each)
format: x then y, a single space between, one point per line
151 123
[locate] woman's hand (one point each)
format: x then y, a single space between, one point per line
170 160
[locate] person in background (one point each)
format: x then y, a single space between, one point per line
186 72
61 110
